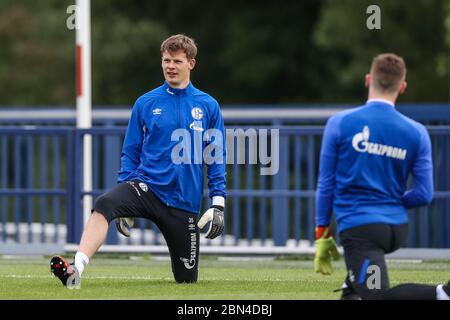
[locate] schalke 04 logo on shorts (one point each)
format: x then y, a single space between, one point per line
143 186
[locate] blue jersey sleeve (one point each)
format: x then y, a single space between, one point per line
216 167
422 190
132 144
327 172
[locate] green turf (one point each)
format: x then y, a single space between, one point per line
147 278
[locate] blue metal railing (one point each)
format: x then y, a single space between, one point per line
41 178
270 115
35 166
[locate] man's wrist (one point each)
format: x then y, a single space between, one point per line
323 232
218 201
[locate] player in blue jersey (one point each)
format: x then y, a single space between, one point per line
173 130
366 157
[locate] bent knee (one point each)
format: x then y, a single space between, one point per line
371 294
185 278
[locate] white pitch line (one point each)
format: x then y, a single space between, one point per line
22 276
29 276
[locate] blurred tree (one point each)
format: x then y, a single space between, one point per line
314 51
125 54
249 52
414 30
252 52
36 53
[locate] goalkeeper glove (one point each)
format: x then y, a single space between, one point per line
325 250
214 215
124 225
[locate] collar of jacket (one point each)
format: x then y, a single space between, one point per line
178 92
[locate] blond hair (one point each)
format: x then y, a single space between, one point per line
180 42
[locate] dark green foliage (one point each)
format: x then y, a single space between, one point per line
314 51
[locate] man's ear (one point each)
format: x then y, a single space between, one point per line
367 80
192 63
402 88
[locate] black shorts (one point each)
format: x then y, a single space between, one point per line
364 250
179 227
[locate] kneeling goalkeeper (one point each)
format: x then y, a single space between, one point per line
159 179
366 158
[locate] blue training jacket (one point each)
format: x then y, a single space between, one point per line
366 156
165 140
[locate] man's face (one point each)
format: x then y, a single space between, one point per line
177 68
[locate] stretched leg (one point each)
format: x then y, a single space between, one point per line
94 234
124 200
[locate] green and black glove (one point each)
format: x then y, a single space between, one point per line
326 249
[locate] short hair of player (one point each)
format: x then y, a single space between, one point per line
388 70
180 42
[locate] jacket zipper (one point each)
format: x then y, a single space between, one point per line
177 98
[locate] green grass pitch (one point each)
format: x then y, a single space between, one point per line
145 278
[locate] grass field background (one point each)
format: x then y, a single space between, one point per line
146 277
